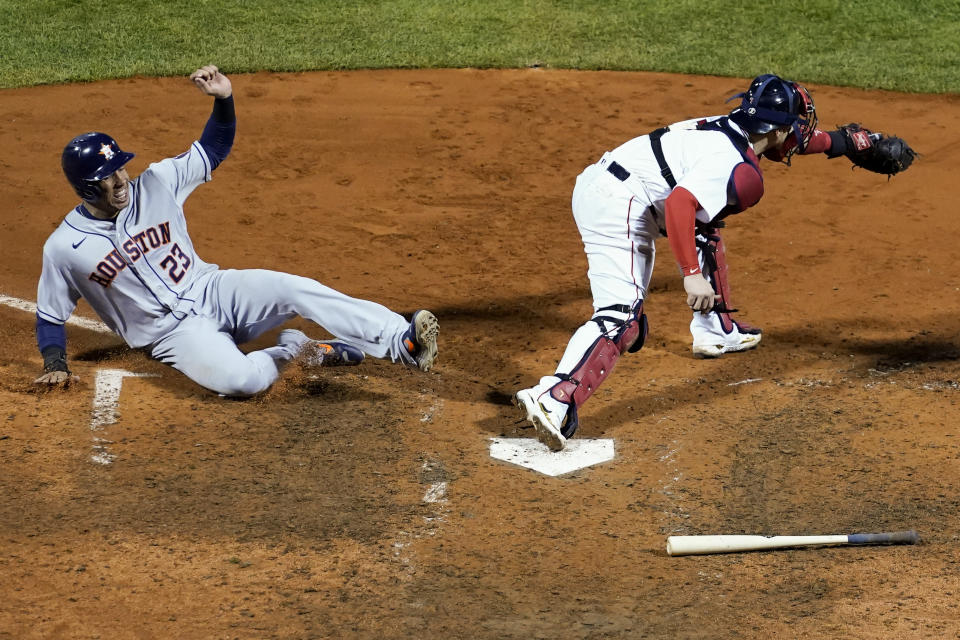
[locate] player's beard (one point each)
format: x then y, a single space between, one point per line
111 201
119 196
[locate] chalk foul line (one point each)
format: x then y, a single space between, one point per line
30 307
106 399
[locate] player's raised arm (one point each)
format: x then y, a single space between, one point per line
217 138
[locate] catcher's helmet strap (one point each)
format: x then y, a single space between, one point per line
769 115
751 98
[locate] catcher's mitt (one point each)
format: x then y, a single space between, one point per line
876 152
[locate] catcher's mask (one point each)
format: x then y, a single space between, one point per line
771 103
90 158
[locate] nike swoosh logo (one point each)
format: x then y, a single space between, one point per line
77 244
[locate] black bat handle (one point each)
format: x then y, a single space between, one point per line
897 537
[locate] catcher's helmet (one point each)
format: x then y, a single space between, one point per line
771 103
88 159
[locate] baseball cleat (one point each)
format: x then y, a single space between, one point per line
712 345
319 353
338 354
420 340
544 423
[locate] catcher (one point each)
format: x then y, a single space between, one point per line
682 181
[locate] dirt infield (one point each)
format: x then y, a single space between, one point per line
363 503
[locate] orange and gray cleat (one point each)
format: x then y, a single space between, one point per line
420 340
338 354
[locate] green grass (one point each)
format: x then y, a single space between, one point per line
887 44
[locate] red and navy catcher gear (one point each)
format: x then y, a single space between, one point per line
90 158
715 267
772 103
745 186
617 336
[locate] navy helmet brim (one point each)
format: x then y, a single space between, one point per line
751 124
111 166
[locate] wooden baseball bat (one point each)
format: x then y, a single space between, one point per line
690 545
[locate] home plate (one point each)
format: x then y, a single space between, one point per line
532 454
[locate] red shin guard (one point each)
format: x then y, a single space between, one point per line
617 337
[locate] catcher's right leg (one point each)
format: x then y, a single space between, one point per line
619 230
551 406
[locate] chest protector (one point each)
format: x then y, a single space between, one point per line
745 186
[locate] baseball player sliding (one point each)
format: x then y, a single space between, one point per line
125 250
681 181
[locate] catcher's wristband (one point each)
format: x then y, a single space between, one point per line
54 359
838 144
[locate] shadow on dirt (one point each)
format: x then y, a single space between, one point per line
104 353
901 355
920 348
783 352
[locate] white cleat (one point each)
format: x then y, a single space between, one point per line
713 346
545 424
711 341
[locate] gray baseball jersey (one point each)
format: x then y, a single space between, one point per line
142 276
139 271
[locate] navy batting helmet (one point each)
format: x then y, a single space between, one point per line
90 158
771 103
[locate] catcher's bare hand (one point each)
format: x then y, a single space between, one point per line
213 83
54 378
700 293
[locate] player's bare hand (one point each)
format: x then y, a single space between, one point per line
54 378
213 83
700 293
